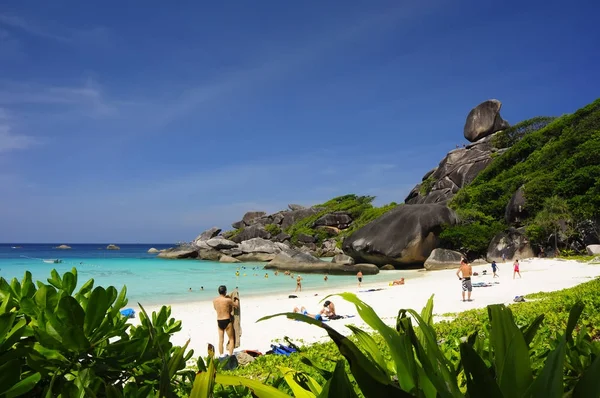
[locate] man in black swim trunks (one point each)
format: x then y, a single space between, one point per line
224 306
466 271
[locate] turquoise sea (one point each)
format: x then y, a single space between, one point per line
151 280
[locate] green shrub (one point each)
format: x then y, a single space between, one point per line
472 234
273 229
510 136
426 186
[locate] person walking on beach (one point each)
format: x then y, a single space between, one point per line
466 271
359 276
298 284
224 306
516 269
494 269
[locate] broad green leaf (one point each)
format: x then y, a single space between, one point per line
50 354
480 382
532 329
10 373
113 392
55 279
24 386
258 388
371 382
46 298
338 385
574 315
16 288
370 348
69 320
405 371
69 282
326 374
27 286
95 311
84 290
549 382
111 294
511 354
204 384
11 337
299 392
589 384
6 323
121 301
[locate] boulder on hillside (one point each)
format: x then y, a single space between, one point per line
153 250
228 259
296 261
458 169
63 247
294 216
112 247
328 248
342 259
405 235
294 207
512 243
250 216
282 237
219 243
443 259
330 231
388 267
515 210
208 234
259 245
179 252
238 224
593 250
277 218
251 232
484 120
338 219
304 238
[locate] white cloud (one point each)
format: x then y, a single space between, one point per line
9 140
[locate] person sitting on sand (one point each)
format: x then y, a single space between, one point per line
466 271
328 309
303 311
398 282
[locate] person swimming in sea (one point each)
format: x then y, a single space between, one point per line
266 275
237 273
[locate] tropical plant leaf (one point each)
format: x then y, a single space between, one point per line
297 389
574 315
370 347
10 373
204 384
480 382
589 384
339 384
95 311
511 354
258 388
531 330
549 383
24 386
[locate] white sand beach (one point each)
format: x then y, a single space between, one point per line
200 326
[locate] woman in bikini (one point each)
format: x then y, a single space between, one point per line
298 284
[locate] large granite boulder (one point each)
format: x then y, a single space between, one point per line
220 243
404 236
251 232
251 216
304 238
484 120
179 252
293 216
228 259
259 245
515 210
295 207
238 224
338 219
209 254
153 250
512 243
208 234
296 261
593 250
282 237
443 259
291 256
342 259
328 248
458 169
256 257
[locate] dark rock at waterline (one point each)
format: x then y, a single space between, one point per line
388 267
209 254
484 120
179 252
405 235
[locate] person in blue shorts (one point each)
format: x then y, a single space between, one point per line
303 311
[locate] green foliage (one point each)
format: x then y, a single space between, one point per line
55 341
360 209
559 159
366 217
426 185
472 234
273 229
510 136
554 216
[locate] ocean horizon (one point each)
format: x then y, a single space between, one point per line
151 280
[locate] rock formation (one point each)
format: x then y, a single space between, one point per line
342 259
484 120
112 247
251 232
296 261
593 250
403 236
63 247
443 259
513 244
179 252
208 234
153 250
515 209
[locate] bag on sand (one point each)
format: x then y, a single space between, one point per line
229 362
519 299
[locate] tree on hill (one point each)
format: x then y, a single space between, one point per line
554 216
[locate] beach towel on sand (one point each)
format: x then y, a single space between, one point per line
338 317
237 318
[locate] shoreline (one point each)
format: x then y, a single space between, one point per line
199 321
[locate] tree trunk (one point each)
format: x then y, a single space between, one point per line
556 242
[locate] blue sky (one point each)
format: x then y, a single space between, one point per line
149 122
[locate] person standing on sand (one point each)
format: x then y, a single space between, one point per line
466 271
298 284
224 306
359 276
516 269
494 269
